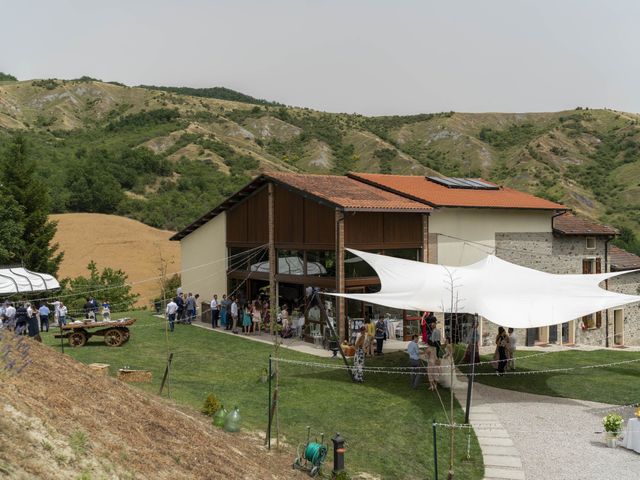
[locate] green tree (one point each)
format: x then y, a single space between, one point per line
90 191
110 285
4 77
37 250
628 241
386 157
12 229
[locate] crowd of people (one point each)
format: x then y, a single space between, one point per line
229 313
27 318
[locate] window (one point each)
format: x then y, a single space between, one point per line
321 263
590 266
406 253
354 266
242 258
591 243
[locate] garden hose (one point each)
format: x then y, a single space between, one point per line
315 453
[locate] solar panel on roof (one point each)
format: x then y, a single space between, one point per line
464 183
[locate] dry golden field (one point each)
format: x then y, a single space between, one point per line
119 243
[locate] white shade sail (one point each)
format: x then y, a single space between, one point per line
21 280
500 291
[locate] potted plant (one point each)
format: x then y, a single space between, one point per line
612 424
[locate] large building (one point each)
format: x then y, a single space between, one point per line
293 229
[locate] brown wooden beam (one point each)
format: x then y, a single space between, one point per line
341 318
273 298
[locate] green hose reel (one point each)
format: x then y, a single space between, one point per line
311 455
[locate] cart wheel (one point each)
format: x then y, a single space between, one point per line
113 337
126 334
78 338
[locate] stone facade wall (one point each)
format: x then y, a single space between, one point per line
628 283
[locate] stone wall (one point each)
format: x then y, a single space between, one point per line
628 283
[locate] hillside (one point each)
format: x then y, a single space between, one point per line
119 243
164 157
68 423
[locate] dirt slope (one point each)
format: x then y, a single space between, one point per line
116 242
59 420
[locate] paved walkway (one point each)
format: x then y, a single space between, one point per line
527 436
501 458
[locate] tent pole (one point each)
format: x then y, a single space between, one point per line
474 339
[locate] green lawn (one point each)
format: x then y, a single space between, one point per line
616 384
386 424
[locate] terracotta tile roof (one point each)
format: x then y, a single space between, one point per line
347 193
622 260
570 224
342 192
424 190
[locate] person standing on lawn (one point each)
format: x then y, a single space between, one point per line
62 314
224 312
358 361
434 340
234 315
44 317
512 349
21 319
215 311
414 360
190 308
502 345
381 330
10 317
32 323
179 301
56 310
256 316
172 310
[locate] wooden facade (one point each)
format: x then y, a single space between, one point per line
303 224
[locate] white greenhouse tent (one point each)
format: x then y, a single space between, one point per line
20 280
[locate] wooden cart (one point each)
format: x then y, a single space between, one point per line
115 333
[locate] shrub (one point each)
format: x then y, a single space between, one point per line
211 405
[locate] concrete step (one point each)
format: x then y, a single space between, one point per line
498 450
495 442
502 461
503 473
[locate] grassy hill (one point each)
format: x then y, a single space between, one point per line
164 157
119 243
69 422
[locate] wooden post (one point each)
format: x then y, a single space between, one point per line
61 335
166 373
273 299
269 413
425 237
474 338
341 316
435 450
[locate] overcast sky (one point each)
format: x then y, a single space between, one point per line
373 57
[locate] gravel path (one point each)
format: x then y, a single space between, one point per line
556 439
